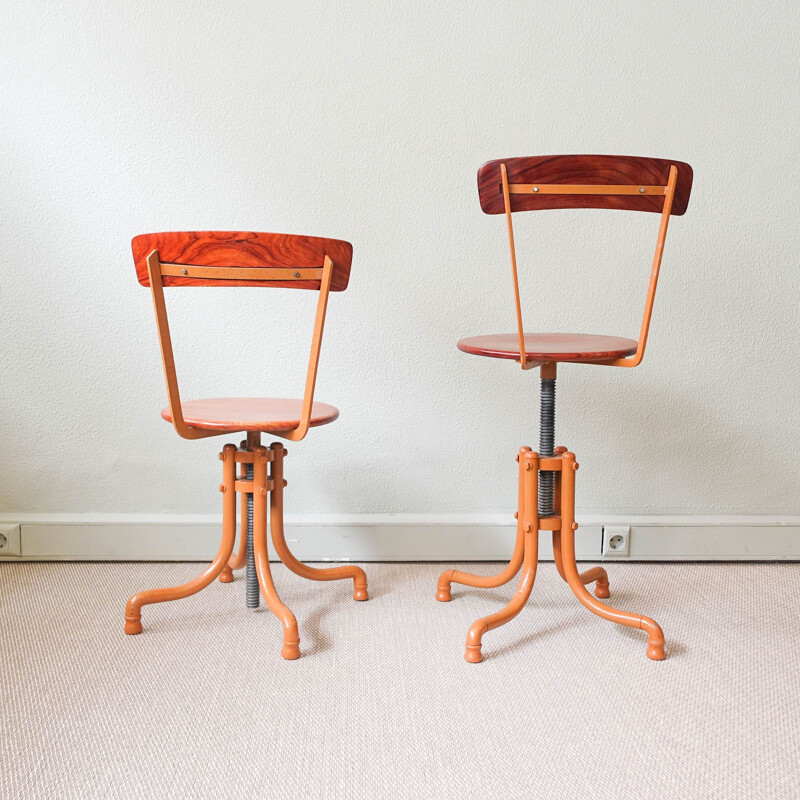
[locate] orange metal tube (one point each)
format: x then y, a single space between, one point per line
238 559
530 475
291 636
595 574
523 360
133 610
450 576
279 540
655 644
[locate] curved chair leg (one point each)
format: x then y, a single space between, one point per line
596 575
655 644
278 538
451 576
237 560
133 611
529 525
291 636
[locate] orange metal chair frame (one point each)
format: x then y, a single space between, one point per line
238 259
562 192
667 192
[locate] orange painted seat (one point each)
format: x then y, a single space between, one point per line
550 346
233 414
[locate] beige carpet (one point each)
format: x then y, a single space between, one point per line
382 704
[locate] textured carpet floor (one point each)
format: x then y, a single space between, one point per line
382 704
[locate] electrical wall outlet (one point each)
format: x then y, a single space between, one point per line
616 541
10 541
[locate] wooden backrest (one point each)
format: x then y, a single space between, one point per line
242 259
634 183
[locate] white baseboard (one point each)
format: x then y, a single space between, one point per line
397 537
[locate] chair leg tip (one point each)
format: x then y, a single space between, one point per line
291 651
133 626
473 654
360 593
443 594
226 576
655 652
602 592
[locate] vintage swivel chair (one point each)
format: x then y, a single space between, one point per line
547 478
213 258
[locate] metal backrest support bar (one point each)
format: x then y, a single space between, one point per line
242 273
577 188
313 359
669 196
520 329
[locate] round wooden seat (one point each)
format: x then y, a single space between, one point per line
550 346
232 414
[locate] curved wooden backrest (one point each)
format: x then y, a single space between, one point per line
532 180
300 258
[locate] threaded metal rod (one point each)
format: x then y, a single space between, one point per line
547 429
251 578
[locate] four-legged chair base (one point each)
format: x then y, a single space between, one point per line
562 524
255 485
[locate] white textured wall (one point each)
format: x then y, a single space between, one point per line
368 121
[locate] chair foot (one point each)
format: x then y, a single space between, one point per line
133 624
473 654
443 594
655 640
443 587
360 591
226 576
291 650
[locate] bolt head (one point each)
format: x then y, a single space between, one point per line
574 526
641 190
222 487
297 274
262 491
535 189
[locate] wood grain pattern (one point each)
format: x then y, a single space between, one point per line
550 346
583 169
234 414
243 249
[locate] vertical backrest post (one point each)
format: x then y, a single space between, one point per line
520 329
669 196
313 359
167 357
